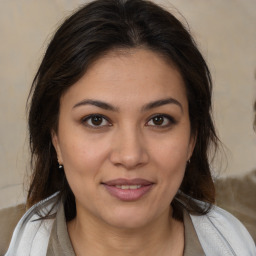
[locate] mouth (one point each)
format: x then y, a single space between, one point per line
128 186
128 189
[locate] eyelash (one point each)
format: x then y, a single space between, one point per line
166 118
88 118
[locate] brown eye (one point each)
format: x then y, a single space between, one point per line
96 121
158 120
161 121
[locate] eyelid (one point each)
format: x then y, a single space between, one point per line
171 120
88 117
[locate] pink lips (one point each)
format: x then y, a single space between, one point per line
126 190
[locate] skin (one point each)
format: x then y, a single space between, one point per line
128 142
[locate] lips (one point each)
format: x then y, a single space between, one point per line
128 190
128 186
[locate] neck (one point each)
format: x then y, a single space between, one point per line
164 236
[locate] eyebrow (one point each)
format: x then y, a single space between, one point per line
148 106
159 103
96 103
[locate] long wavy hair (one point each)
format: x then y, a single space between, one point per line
95 29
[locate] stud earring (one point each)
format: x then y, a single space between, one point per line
60 166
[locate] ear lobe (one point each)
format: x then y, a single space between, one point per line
55 142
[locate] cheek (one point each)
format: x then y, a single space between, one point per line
170 159
172 153
82 165
82 157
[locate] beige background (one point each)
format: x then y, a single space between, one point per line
224 30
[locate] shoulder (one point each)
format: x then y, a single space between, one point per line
220 232
9 218
32 232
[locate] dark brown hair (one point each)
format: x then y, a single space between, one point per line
95 29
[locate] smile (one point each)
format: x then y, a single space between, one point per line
128 186
128 189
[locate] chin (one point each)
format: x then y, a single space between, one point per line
129 219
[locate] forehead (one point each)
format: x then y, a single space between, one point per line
133 75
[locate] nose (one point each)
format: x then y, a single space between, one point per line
129 149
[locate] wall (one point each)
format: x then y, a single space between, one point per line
224 30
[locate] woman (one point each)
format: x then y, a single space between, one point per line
120 127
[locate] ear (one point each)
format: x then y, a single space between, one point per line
55 142
191 146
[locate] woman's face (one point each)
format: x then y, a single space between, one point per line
124 138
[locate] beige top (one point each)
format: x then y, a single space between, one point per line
9 218
60 243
